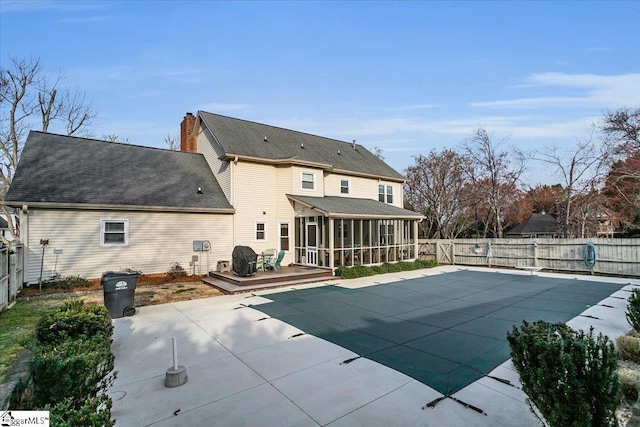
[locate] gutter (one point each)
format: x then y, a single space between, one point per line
110 207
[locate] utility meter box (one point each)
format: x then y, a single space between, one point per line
198 245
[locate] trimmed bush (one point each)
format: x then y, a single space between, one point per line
628 348
633 310
74 320
568 375
94 411
362 271
73 369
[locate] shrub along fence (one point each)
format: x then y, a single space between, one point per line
602 256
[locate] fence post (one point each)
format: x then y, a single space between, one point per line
453 252
535 254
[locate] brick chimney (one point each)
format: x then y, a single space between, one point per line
188 142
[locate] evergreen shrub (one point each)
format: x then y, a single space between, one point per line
633 310
570 376
74 320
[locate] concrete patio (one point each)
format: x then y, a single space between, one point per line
247 368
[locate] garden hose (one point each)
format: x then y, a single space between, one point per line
590 255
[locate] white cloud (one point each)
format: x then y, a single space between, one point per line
44 5
598 91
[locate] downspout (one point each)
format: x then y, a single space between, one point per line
232 186
24 238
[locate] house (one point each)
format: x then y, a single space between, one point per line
537 225
107 206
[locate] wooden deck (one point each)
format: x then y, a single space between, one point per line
230 283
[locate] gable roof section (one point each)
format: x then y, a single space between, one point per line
536 224
246 139
350 207
63 171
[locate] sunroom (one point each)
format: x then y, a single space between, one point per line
336 231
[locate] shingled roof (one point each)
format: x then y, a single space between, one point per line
63 171
247 139
345 207
538 224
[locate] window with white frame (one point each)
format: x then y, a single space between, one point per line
308 180
344 186
284 236
381 193
114 232
261 231
389 194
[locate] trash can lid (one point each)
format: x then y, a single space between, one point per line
107 274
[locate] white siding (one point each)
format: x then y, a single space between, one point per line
296 177
221 169
362 188
260 195
156 240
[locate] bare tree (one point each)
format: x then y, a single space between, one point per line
495 173
436 187
171 142
112 137
26 97
378 152
622 185
623 126
579 170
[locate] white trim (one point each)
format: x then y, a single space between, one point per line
103 222
348 186
302 181
255 231
280 235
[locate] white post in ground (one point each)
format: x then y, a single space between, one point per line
176 374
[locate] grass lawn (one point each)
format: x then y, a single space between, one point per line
17 327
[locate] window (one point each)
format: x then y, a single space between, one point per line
389 194
114 232
261 231
381 193
284 236
344 186
308 181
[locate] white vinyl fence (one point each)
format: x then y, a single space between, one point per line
612 256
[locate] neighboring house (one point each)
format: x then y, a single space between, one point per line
537 225
4 228
107 206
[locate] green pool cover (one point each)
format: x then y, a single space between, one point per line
445 330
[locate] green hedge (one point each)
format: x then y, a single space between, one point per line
74 320
72 367
362 271
570 376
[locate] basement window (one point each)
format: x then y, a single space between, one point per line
114 232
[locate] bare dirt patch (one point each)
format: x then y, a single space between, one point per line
150 290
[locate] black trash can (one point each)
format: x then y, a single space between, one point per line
119 293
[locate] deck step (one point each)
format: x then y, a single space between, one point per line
231 288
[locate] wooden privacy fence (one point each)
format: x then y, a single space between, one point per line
11 274
612 256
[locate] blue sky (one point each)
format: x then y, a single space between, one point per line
403 76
